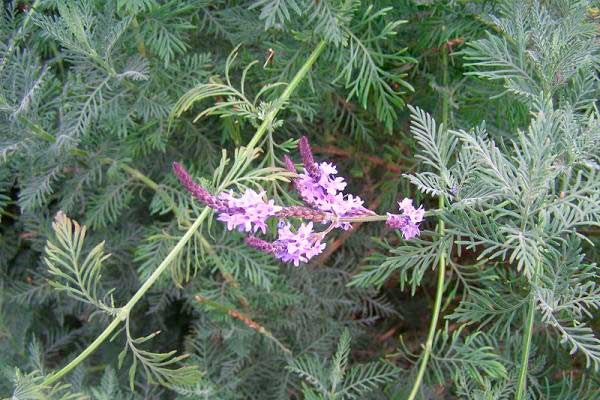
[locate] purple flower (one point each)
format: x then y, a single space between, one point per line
326 194
299 246
320 188
260 245
307 158
408 221
201 194
247 213
316 190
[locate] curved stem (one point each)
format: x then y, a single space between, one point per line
52 378
125 310
522 382
435 316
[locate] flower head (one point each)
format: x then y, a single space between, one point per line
408 221
200 193
299 246
316 190
325 193
248 212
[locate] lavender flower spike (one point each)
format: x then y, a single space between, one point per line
201 194
308 159
301 212
299 246
289 164
408 221
260 245
248 212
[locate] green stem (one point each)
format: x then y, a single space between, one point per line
522 383
442 260
125 310
436 313
286 94
52 378
446 98
165 263
137 174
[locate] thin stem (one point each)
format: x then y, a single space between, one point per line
52 378
267 122
436 313
136 173
287 93
125 310
522 383
442 260
446 92
165 263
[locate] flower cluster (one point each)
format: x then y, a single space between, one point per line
408 221
248 212
299 246
320 188
325 203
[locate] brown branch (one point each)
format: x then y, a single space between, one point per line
250 323
389 333
450 44
336 151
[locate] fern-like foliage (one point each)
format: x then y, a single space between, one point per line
156 365
97 99
364 67
336 380
463 356
231 102
72 272
30 387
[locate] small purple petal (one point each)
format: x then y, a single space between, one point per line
247 213
299 246
408 221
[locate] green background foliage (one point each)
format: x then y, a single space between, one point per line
483 111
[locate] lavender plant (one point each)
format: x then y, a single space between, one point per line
242 276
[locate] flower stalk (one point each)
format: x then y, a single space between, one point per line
527 335
439 291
